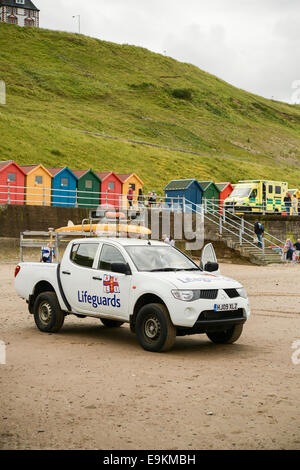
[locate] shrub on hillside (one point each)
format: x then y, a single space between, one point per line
182 94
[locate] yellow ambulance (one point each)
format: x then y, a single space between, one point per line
257 196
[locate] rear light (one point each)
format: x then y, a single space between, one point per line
17 270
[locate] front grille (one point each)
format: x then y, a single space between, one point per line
232 293
228 315
208 293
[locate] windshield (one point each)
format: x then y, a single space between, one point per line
160 258
240 192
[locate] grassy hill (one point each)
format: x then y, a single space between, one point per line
66 93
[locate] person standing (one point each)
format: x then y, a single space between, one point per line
140 198
288 203
297 252
130 195
259 231
295 205
288 250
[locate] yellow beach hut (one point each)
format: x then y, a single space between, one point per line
37 185
131 179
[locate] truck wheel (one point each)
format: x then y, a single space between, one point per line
48 316
227 336
111 323
154 329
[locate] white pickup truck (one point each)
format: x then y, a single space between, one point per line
154 287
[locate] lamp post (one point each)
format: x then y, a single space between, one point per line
77 16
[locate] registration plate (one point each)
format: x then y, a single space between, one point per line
225 307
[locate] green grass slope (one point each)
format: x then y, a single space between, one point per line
66 93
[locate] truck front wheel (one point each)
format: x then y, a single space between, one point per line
154 329
48 316
227 336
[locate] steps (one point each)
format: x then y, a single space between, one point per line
231 237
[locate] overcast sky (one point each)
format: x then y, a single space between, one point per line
252 44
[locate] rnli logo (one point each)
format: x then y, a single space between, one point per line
110 284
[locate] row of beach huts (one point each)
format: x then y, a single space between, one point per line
63 187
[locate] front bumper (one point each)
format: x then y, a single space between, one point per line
210 320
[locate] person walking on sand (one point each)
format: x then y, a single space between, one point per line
259 231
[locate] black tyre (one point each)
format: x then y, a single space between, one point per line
48 315
154 329
111 323
227 336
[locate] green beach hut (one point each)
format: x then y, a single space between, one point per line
211 194
88 188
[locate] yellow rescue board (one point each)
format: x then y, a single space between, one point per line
106 228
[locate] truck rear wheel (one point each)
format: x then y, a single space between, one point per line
226 336
154 329
48 315
111 323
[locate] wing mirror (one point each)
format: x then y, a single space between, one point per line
211 267
121 268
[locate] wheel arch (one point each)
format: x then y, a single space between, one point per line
144 299
41 286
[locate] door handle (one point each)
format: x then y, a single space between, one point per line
97 278
66 272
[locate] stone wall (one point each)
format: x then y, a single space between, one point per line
280 226
18 218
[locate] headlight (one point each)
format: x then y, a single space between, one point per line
242 292
186 295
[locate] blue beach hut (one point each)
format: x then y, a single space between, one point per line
64 184
179 192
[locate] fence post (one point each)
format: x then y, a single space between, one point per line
242 225
263 249
205 205
224 214
220 225
183 203
8 193
44 199
241 237
76 197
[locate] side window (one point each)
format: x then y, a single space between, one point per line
84 254
270 188
253 194
64 182
89 184
277 189
111 185
109 254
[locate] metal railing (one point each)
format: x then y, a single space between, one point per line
237 227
